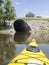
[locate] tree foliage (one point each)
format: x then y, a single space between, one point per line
1 13
1 2
9 10
1 10
30 14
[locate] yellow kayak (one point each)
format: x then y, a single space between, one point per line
31 55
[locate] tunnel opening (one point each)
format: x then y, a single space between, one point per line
21 26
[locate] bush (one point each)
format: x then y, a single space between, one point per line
2 27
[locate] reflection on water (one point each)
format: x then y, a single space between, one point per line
11 45
7 49
21 36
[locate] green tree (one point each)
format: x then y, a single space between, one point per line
30 14
9 10
1 10
1 2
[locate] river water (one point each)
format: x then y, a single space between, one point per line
12 45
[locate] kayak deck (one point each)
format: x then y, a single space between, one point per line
27 57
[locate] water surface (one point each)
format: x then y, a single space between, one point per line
12 45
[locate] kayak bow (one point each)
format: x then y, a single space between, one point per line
31 55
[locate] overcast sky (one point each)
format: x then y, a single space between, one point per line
38 7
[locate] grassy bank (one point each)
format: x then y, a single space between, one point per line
27 19
2 31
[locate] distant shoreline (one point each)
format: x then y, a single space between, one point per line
28 19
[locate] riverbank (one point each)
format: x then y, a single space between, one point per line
39 29
28 19
2 31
